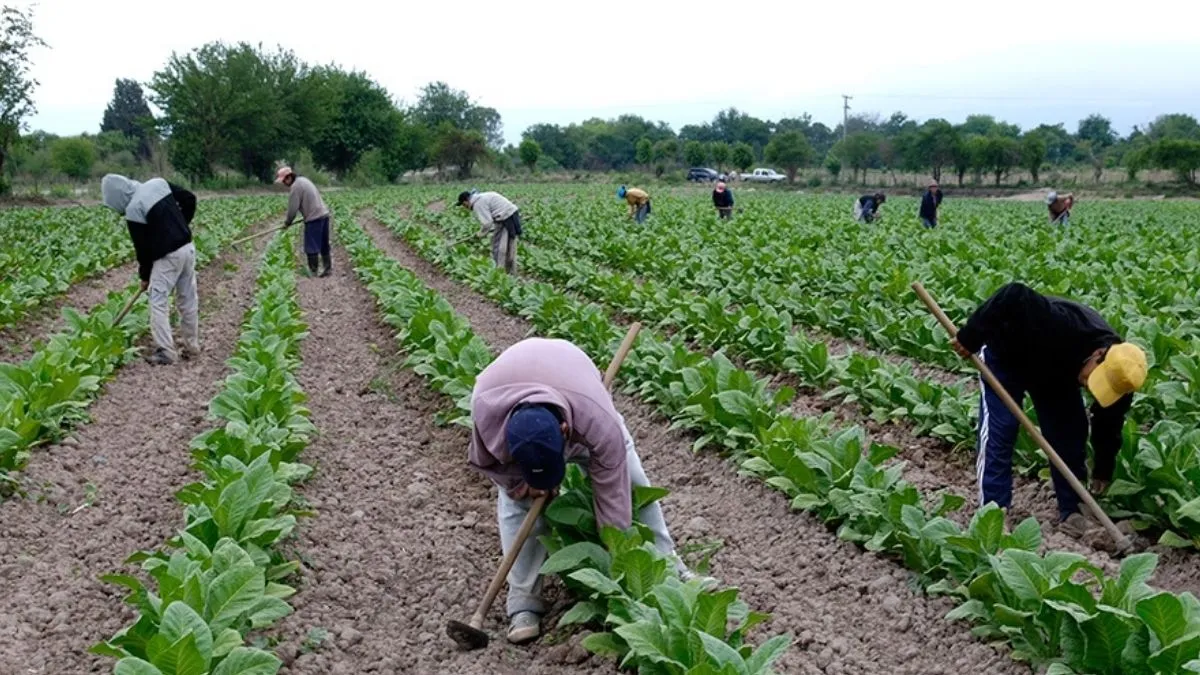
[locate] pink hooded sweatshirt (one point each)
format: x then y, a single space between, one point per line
557 373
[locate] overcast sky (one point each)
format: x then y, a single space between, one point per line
1025 61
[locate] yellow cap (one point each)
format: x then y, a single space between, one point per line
1122 371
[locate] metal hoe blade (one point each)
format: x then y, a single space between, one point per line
466 636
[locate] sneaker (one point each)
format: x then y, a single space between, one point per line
1076 525
189 351
325 272
159 357
524 627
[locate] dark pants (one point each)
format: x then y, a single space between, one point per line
1063 421
725 212
316 236
929 222
642 212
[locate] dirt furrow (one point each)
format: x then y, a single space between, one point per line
404 536
107 491
851 612
19 341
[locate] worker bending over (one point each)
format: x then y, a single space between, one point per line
1060 208
499 217
866 208
304 199
638 200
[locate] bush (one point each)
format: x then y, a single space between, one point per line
814 181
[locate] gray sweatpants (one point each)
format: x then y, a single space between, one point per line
504 248
176 271
524 582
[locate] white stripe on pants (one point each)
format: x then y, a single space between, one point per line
524 582
985 419
176 271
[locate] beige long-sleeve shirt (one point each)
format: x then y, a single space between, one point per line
636 197
305 200
556 373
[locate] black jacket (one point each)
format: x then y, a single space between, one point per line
1044 341
723 200
929 204
167 228
868 203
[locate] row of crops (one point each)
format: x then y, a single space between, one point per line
1055 609
223 574
45 395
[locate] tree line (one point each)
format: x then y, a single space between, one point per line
241 109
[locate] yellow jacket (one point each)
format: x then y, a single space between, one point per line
635 198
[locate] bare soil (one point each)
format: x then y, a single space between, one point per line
405 534
850 612
19 341
107 490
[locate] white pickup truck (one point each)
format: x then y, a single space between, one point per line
763 176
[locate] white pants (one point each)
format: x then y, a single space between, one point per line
176 271
524 582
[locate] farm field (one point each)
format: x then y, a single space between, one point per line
806 417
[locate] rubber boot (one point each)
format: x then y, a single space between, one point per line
312 264
327 263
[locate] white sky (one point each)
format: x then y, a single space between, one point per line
1025 61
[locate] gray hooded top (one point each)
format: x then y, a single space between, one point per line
158 215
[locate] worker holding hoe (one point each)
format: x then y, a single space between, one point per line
159 215
1060 208
502 219
866 207
1049 347
638 200
722 198
539 405
305 199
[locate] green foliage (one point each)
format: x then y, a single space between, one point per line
1177 155
720 153
458 148
530 153
129 115
73 157
1033 154
439 105
359 117
790 150
16 83
695 153
742 156
859 151
643 151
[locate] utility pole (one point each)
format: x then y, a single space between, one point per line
845 114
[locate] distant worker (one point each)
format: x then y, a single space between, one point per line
723 200
159 215
866 209
304 199
639 202
1060 208
930 202
499 217
1048 347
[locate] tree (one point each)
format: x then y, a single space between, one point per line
734 126
833 164
1033 153
439 103
934 146
406 147
530 152
1176 126
359 118
73 157
16 84
860 151
643 152
1000 154
458 147
1097 130
233 104
790 150
558 144
129 114
968 152
742 156
719 151
664 153
695 153
1179 155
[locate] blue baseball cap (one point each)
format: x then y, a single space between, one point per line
621 192
535 441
